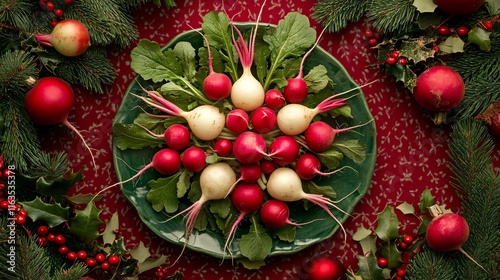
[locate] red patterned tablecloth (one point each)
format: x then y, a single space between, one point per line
411 149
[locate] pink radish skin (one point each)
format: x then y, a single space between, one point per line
284 150
69 37
275 214
247 198
267 166
177 136
249 147
193 159
247 92
249 173
206 121
319 136
439 89
308 167
223 147
284 184
296 90
447 232
274 99
215 181
216 85
263 120
237 121
49 103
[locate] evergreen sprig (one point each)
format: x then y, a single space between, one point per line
392 16
339 13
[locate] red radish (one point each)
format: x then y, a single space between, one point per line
274 99
263 120
49 103
215 181
193 158
177 136
275 214
223 147
439 89
284 150
249 173
294 119
308 166
249 147
447 232
69 37
165 161
216 85
284 184
247 198
324 268
237 121
267 166
205 121
247 92
459 7
319 135
296 90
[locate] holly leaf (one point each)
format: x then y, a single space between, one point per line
390 251
480 37
368 267
452 44
403 74
493 7
351 148
84 198
388 224
109 233
426 201
151 263
256 244
417 49
366 240
406 208
140 253
85 223
422 227
425 6
134 137
426 20
53 214
57 187
163 193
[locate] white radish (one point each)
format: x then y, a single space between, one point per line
205 121
284 184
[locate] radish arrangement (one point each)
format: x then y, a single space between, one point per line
239 156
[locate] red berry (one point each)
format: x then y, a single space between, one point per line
372 42
105 266
18 208
51 237
20 219
382 262
50 6
69 2
402 61
100 258
488 25
42 230
391 60
90 262
58 12
408 239
42 241
71 256
443 30
401 272
7 173
23 212
54 23
377 36
368 33
59 239
114 260
63 250
81 255
2 186
462 31
403 246
395 54
4 204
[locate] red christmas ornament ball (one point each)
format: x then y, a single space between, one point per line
459 7
324 268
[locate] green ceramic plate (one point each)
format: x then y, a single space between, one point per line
211 243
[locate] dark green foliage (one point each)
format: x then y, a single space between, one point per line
339 13
430 265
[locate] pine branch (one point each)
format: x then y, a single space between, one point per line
17 14
392 16
471 150
50 165
339 13
430 265
32 261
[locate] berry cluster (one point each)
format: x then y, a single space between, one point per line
394 58
161 273
373 37
7 201
56 8
403 245
45 237
444 30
